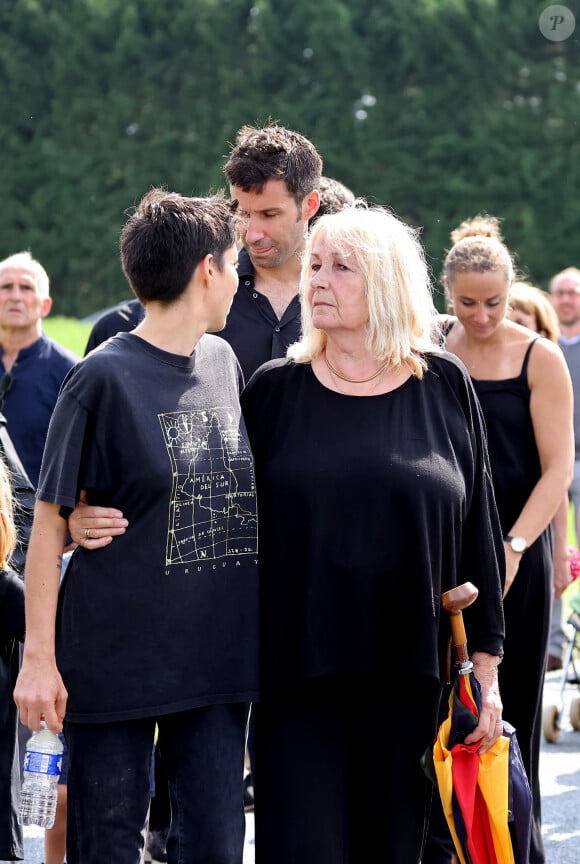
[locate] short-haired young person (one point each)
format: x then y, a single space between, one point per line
160 626
274 174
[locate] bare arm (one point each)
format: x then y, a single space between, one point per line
562 574
94 527
551 411
39 689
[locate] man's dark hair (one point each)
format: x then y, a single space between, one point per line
273 153
167 236
334 196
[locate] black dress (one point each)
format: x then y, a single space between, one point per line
515 466
369 507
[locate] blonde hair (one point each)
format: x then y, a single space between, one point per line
27 262
7 526
391 259
534 301
478 246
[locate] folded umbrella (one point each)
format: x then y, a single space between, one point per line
486 797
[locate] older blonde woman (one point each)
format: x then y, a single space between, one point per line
374 497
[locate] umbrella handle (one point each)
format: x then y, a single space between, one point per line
454 601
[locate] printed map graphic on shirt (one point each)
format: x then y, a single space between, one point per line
212 511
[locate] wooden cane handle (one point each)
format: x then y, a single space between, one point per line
454 602
459 598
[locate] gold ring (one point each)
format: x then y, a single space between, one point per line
87 533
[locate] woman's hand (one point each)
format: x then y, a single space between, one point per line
95 527
490 726
562 575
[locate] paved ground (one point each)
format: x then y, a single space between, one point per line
560 778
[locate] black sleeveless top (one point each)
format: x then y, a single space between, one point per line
515 469
513 453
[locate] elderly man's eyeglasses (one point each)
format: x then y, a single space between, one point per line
566 292
6 384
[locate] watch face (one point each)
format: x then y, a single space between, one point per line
518 544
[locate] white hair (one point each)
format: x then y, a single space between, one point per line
392 261
26 261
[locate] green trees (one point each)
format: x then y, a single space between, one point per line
439 108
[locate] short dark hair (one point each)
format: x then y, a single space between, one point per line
334 196
272 152
167 236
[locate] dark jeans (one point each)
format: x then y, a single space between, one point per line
109 786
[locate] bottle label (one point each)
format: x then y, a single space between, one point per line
42 763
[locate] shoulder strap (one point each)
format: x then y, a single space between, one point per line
524 372
20 478
24 496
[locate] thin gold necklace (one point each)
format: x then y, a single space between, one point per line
354 380
336 383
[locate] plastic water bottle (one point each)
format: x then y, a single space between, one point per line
42 764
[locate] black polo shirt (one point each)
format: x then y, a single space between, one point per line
120 319
253 329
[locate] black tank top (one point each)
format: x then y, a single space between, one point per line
513 453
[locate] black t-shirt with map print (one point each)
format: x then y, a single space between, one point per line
165 617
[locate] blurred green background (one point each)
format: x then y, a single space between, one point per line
438 108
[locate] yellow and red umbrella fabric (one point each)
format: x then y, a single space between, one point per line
487 807
486 797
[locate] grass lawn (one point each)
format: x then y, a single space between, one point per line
70 332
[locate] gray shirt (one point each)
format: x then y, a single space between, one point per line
571 350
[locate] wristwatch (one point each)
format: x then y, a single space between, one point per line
518 544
